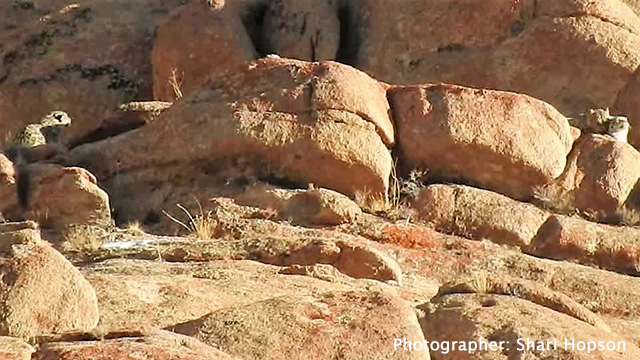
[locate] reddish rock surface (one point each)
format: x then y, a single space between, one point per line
483 318
282 119
298 236
610 247
8 196
485 283
15 349
311 206
59 197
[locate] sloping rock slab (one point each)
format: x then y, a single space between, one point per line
353 324
470 318
615 248
479 214
153 345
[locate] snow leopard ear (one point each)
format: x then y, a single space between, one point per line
592 111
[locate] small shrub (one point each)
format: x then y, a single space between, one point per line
394 206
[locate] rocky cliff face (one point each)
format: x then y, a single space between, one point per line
335 179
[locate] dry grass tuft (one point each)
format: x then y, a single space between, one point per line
554 198
200 226
395 186
176 83
372 203
135 228
480 282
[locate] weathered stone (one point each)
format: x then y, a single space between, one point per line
61 196
85 58
485 283
152 345
359 324
15 349
8 195
505 142
467 318
310 206
610 247
264 121
628 104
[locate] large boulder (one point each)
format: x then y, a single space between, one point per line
194 42
81 57
61 196
505 142
276 119
302 29
479 214
44 293
600 180
574 54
